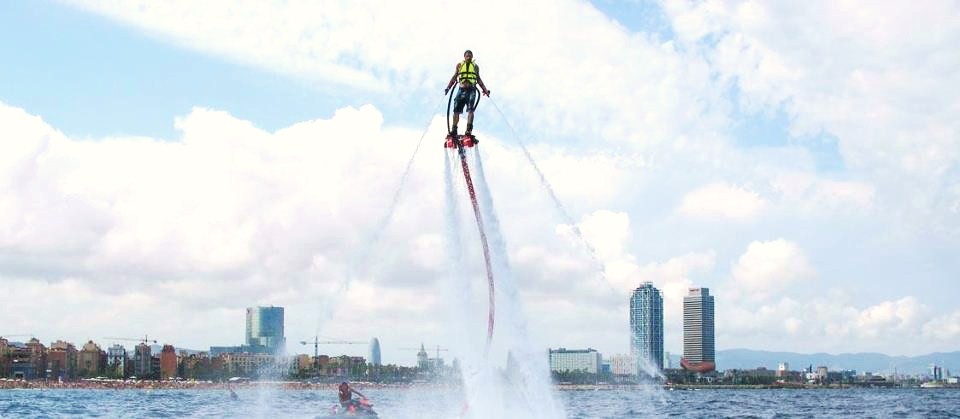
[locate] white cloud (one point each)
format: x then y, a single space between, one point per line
811 194
831 322
771 266
608 232
902 315
943 328
883 80
722 201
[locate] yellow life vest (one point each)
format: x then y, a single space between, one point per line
468 72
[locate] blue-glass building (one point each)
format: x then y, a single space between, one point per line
265 329
646 327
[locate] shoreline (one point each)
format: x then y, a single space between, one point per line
303 386
193 385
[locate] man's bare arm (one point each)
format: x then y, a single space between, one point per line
453 80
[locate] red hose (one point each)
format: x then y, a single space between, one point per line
483 242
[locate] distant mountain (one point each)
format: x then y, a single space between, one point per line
862 362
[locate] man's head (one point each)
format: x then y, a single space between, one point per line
468 55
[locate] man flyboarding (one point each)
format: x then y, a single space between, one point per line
468 74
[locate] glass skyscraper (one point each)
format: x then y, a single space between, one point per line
646 327
698 341
265 329
374 352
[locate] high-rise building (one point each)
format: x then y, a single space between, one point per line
646 327
5 350
937 372
26 361
568 360
143 361
38 354
117 361
168 362
88 363
265 329
698 331
62 360
375 352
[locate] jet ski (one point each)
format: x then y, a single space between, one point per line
361 408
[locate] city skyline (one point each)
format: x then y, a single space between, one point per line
163 166
265 325
645 309
65 358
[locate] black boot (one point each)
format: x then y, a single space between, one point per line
453 131
469 129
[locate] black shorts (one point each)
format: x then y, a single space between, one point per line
465 97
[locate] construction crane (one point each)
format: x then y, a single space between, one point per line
317 342
146 339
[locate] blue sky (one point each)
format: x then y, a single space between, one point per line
92 77
694 143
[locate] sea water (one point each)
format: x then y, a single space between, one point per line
434 402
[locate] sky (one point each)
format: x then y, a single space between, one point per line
164 165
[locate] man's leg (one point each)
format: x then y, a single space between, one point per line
456 119
470 122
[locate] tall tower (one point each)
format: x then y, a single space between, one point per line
646 327
698 341
265 329
375 352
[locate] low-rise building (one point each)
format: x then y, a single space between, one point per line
570 360
195 366
623 365
304 364
822 375
783 369
245 364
